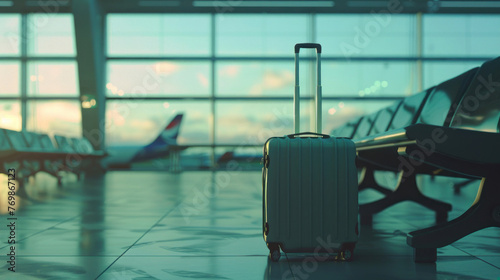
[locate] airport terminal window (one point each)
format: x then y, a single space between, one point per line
461 35
10 35
438 72
255 78
51 35
158 78
192 158
252 122
157 35
55 117
366 35
9 78
10 115
219 68
132 122
38 64
337 113
259 35
246 157
237 69
369 79
50 78
484 33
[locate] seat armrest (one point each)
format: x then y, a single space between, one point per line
392 138
469 145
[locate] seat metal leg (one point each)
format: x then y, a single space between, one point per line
369 182
458 186
407 190
485 212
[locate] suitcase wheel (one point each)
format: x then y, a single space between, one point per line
346 252
346 255
275 255
274 251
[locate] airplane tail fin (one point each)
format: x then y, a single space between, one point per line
169 134
226 157
167 137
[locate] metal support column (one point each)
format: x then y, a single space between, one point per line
89 35
213 77
420 71
24 70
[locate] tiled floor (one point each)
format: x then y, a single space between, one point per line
207 225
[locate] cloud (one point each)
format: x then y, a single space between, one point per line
56 117
273 80
203 79
233 127
229 71
165 68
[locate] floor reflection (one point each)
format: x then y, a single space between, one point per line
207 225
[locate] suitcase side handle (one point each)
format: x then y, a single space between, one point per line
308 133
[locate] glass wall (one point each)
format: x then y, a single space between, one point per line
38 74
10 72
232 75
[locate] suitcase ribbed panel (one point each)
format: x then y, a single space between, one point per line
311 192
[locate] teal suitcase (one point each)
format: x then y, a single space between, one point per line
310 188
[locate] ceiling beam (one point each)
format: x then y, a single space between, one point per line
257 6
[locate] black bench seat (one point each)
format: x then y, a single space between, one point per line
464 144
435 106
446 157
30 152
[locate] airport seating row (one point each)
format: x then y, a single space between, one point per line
29 153
452 130
431 106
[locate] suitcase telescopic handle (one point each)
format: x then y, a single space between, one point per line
317 97
308 133
307 46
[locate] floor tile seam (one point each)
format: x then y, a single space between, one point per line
416 227
289 265
195 256
452 245
259 229
180 200
208 256
249 255
43 230
475 256
64 256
